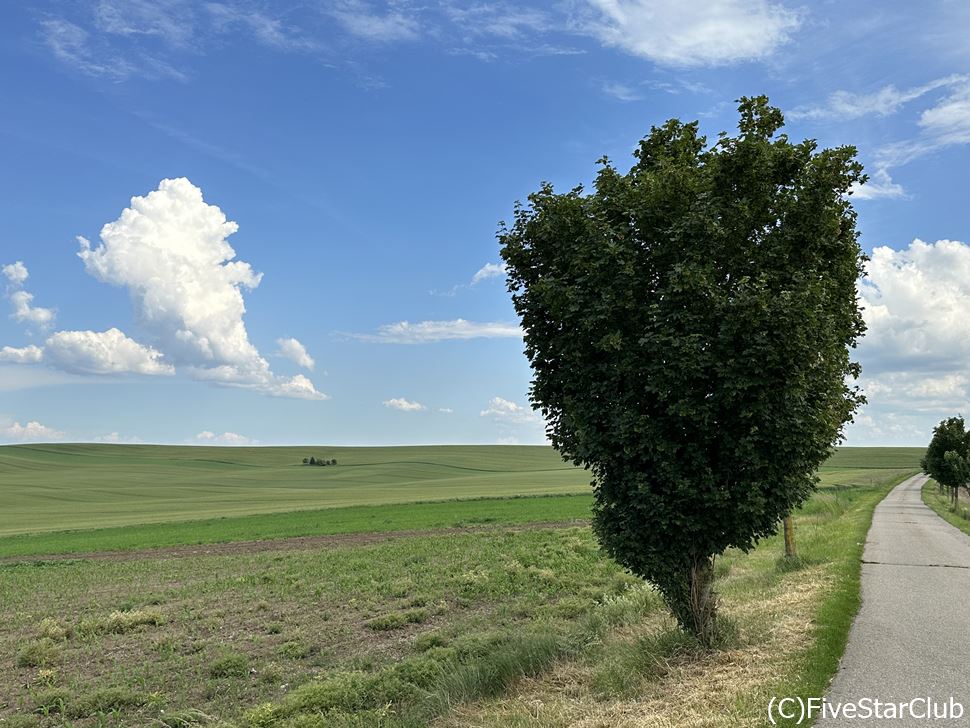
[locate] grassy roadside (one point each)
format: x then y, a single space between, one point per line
496 628
791 620
940 504
321 522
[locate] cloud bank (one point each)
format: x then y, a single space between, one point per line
916 353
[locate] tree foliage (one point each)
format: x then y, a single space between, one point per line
947 457
689 326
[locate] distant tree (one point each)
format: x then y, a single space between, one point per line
306 461
689 325
313 461
321 461
947 457
333 461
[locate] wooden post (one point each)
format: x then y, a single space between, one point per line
789 537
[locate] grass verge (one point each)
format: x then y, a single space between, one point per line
940 504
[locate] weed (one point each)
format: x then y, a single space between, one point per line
295 649
51 629
42 653
230 664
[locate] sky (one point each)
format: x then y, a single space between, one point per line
274 223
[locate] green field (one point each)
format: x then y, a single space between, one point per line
429 627
71 498
56 487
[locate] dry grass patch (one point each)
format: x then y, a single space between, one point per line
674 684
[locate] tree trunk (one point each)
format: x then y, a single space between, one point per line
790 552
703 601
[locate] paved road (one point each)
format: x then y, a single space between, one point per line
911 638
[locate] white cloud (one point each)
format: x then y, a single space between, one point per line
887 100
71 45
358 19
170 250
944 124
102 352
621 91
487 271
16 273
503 410
677 33
92 55
917 306
226 438
916 353
267 30
168 20
118 439
293 350
404 405
426 332
20 299
31 432
446 410
880 185
23 311
509 22
25 355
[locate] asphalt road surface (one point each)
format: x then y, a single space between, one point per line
911 638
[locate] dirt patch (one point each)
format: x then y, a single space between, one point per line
293 543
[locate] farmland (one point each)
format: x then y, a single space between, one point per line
461 611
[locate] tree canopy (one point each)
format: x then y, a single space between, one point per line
689 326
947 457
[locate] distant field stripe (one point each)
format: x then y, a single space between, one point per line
329 521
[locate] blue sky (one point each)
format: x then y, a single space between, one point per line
367 151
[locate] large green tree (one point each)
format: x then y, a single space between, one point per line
689 325
947 457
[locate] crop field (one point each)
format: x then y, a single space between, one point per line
483 611
55 487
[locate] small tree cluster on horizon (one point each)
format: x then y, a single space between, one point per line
319 461
947 458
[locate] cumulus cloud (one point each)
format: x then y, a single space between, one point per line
293 350
33 431
25 355
916 353
676 33
170 250
504 410
226 438
426 332
102 352
21 301
916 303
404 405
16 273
